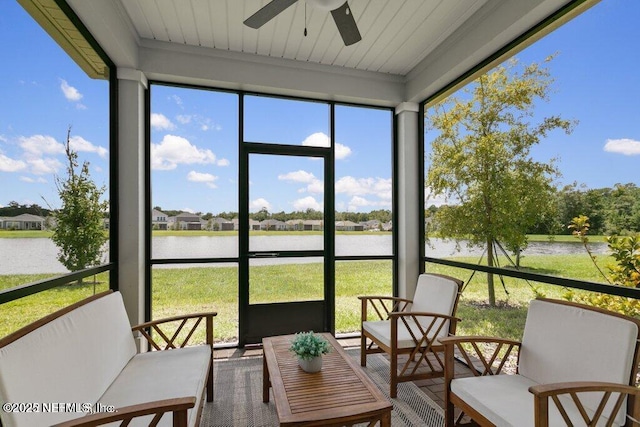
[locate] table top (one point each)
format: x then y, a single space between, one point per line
340 391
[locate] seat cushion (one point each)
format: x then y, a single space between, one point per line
381 331
505 400
160 375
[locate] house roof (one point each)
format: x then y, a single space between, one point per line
25 217
410 50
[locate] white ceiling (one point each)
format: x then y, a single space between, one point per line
410 49
396 35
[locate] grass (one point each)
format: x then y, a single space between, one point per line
188 290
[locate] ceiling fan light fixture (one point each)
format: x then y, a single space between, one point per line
326 4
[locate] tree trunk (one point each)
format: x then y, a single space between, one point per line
490 287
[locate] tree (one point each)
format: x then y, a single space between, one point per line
481 158
79 233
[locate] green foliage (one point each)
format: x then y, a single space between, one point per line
307 345
79 231
624 271
481 158
610 210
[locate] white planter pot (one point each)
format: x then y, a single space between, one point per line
311 365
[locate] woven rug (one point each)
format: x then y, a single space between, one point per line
238 396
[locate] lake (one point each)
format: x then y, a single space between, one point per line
27 256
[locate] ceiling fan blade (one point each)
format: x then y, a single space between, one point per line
267 13
346 24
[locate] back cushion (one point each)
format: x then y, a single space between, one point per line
566 343
71 359
435 294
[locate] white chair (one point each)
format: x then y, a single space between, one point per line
411 327
584 358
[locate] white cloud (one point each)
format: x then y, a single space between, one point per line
314 184
70 92
358 202
33 181
320 139
188 210
183 118
3 138
37 145
80 144
44 166
161 122
307 203
342 151
298 176
379 187
628 147
176 99
258 204
207 178
223 162
175 150
10 165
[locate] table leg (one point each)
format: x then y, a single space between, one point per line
265 380
385 421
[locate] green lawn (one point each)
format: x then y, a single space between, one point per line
179 291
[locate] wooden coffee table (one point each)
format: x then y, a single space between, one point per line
340 394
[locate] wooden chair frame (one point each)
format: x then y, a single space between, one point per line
493 363
395 309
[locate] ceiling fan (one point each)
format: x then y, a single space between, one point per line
339 10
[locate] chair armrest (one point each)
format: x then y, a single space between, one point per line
380 297
178 406
427 330
382 305
542 392
189 323
480 363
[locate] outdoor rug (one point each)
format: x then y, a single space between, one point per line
238 396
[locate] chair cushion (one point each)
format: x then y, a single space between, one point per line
381 330
567 343
160 375
505 401
435 294
57 362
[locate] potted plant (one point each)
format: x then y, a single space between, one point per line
309 348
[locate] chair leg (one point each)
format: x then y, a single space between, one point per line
393 377
363 349
449 420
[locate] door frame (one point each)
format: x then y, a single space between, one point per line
259 320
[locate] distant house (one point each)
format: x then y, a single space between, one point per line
295 225
185 221
372 224
159 220
221 224
273 225
253 224
348 226
22 222
313 225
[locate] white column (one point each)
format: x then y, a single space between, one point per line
409 204
131 186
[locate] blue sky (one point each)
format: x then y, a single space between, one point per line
194 132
